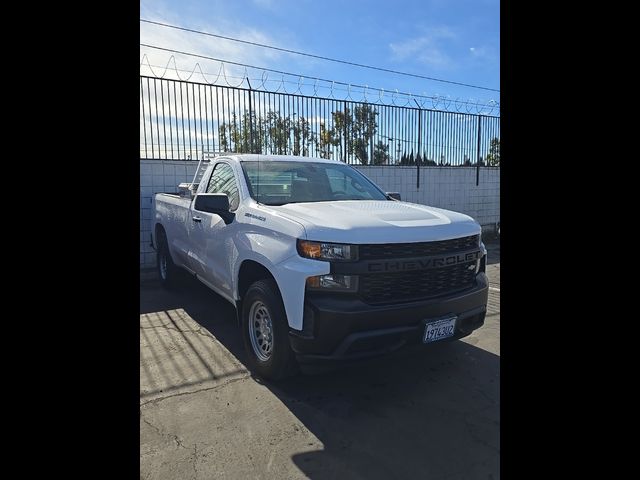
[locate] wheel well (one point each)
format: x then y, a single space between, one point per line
160 233
250 272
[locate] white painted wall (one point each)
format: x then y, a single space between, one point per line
453 188
158 176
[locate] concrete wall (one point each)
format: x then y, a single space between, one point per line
453 188
157 176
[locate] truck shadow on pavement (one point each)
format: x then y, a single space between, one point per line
419 413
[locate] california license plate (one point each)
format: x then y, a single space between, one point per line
439 329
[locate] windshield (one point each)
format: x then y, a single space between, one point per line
281 182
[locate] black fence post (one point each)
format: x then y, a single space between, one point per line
419 144
344 155
250 117
478 152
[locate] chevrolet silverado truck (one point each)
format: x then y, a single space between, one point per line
319 262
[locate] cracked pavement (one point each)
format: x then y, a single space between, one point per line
421 413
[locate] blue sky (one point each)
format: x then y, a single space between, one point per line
456 40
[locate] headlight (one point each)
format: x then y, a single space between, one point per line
333 282
327 251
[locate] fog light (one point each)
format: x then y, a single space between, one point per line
333 282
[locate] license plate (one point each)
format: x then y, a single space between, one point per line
439 329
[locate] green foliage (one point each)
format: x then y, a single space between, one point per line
278 130
353 131
325 141
224 138
247 134
410 160
278 134
493 157
302 137
239 133
381 154
352 134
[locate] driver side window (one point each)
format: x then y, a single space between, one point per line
224 181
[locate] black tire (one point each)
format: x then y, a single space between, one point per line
167 270
264 296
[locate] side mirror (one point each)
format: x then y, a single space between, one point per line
217 203
394 195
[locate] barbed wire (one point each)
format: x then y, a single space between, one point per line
350 92
320 57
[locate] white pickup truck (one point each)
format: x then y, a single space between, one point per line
320 263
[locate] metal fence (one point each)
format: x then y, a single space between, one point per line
182 120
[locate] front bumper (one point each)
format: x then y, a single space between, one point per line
339 328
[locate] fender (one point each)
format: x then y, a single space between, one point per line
290 275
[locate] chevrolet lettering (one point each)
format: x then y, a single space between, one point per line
424 264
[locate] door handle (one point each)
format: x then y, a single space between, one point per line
196 219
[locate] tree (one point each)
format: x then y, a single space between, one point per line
325 140
354 130
222 138
380 154
493 157
341 128
302 137
278 130
407 159
238 134
364 128
245 134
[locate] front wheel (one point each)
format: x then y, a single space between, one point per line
266 332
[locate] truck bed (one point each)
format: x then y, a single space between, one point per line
174 211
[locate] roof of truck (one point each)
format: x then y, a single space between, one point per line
246 157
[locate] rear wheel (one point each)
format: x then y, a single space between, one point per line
265 331
167 270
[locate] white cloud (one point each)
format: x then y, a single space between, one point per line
483 53
204 45
428 48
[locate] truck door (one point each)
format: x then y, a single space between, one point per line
211 241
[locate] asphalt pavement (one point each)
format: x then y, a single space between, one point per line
429 413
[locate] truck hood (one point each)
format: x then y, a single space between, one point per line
377 221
